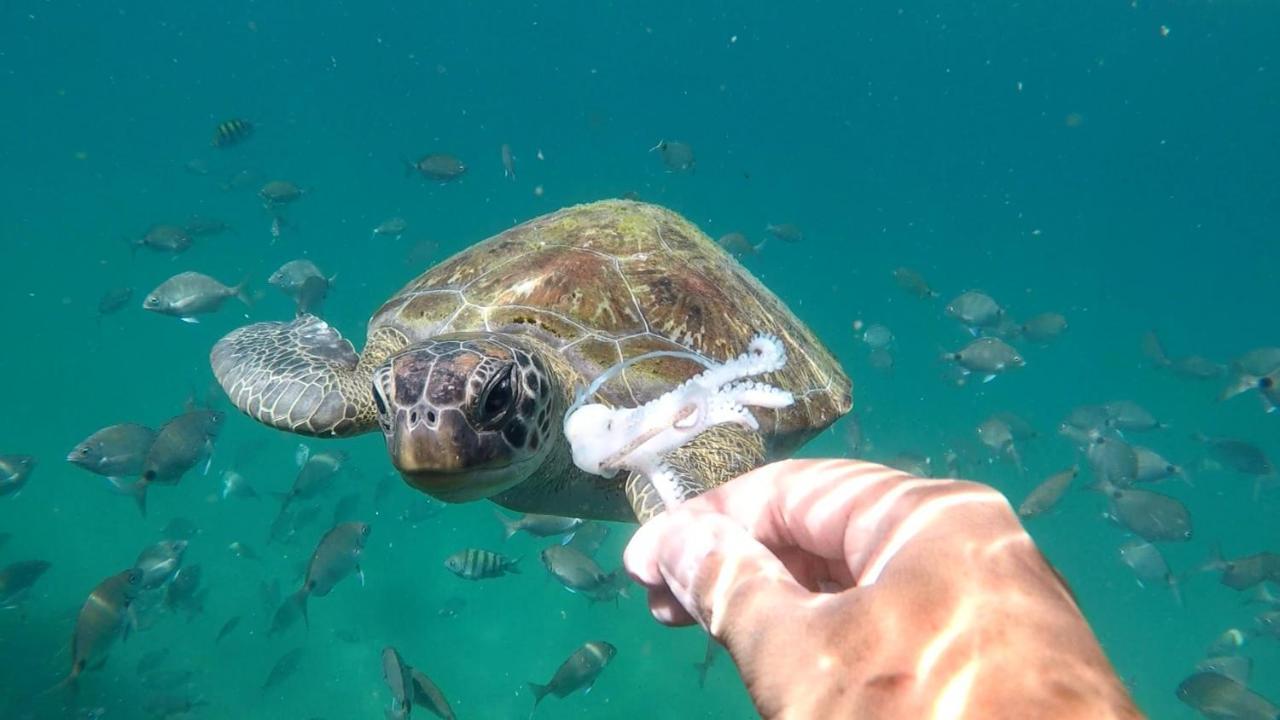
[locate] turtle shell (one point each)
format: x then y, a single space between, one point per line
611 280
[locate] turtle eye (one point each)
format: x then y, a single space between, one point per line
497 398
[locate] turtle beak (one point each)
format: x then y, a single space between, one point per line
439 453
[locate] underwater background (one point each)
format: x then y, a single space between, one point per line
1118 163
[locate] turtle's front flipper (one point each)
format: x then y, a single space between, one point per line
714 457
300 376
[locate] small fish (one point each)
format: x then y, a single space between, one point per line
676 156
986 356
311 296
103 618
114 300
579 671
588 538
15 471
290 276
875 335
231 132
508 162
1245 572
1048 493
336 556
1113 461
786 232
537 525
914 283
998 436
227 628
1149 565
278 193
391 227
164 238
159 562
573 569
1241 456
114 451
243 551
738 245
283 669
183 591
440 167
975 309
396 674
1236 667
1217 696
315 476
1150 515
16 580
235 486
181 444
1044 327
1152 467
188 294
428 695
1128 415
473 564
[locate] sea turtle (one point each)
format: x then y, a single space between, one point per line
468 369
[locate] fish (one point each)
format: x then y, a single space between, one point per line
914 283
975 309
181 444
1152 467
164 238
508 162
199 226
290 277
786 232
227 628
104 617
428 695
1047 493
1149 566
284 668
1128 415
1241 456
1044 327
1220 697
183 591
277 193
15 473
474 564
315 476
537 525
391 227
440 167
159 562
231 132
708 658
16 580
579 671
243 551
875 335
190 293
1236 667
235 486
998 436
1245 572
880 359
1113 461
1250 369
986 356
738 245
311 296
676 156
1150 515
336 556
114 300
573 569
588 538
396 674
117 451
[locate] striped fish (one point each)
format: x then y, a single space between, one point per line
232 132
474 564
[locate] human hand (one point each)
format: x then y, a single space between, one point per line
848 589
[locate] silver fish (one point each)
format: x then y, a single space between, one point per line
289 277
428 695
235 486
440 167
164 238
159 562
1150 515
537 525
391 227
1113 461
279 192
913 282
975 309
1239 455
183 591
986 356
1152 467
676 156
579 671
396 673
102 619
336 557
1149 565
17 578
181 444
188 294
15 471
1048 493
1044 327
1128 415
573 569
786 232
1218 696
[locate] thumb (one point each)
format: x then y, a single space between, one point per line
731 584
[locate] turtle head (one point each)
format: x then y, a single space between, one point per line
466 416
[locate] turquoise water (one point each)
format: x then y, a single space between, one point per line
1061 157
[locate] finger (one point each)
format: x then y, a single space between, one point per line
667 610
640 557
723 577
